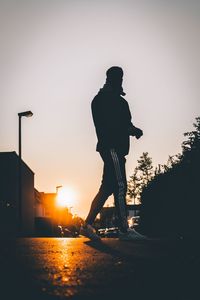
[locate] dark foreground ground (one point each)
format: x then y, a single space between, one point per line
75 268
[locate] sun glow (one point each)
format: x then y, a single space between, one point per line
66 197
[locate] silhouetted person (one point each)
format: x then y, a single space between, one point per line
112 120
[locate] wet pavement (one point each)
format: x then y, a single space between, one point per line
76 268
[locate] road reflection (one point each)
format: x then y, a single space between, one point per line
59 266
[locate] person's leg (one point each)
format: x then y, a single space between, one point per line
120 200
120 189
106 189
114 181
97 205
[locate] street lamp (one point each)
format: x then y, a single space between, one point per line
58 187
20 115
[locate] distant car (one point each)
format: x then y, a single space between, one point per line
101 232
134 221
111 232
66 232
57 231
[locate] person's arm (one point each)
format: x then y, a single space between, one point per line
133 130
105 127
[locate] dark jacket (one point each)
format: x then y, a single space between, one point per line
112 120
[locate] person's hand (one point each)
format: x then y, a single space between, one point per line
138 133
134 131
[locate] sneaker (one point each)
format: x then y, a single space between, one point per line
132 235
89 232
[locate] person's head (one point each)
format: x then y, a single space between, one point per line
114 76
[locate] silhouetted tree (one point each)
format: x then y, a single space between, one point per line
191 147
145 168
142 175
171 162
133 188
193 141
170 202
158 170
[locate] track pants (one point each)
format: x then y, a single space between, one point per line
113 182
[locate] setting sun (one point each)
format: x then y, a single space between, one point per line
66 197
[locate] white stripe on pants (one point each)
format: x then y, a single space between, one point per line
121 188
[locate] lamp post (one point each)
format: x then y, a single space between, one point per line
20 115
58 187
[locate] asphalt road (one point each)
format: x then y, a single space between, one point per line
76 268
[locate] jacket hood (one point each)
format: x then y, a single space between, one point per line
108 88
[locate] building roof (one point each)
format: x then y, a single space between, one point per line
15 155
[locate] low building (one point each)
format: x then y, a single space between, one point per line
9 195
48 215
49 203
44 207
39 210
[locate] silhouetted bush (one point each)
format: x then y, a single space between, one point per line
171 201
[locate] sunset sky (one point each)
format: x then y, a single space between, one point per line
53 59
